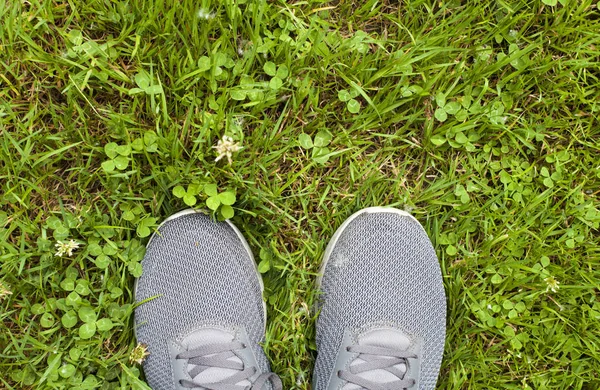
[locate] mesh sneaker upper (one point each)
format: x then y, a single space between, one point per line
202 275
382 270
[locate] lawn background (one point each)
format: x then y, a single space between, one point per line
479 117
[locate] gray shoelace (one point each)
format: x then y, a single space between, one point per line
217 355
378 358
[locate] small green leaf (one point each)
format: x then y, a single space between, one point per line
124 150
283 72
76 37
194 189
150 138
104 324
154 90
440 99
47 320
121 162
545 260
110 249
67 285
461 115
87 331
210 189
138 144
550 2
276 83
74 353
38 309
115 292
461 138
270 68
134 91
66 370
440 114
497 279
111 149
102 261
82 287
142 79
516 343
227 198
87 314
509 331
322 139
410 90
69 319
179 191
320 155
73 299
189 200
108 166
264 266
265 254
135 269
94 249
238 94
54 222
203 64
143 230
451 250
227 212
452 108
305 141
353 106
438 140
344 95
213 202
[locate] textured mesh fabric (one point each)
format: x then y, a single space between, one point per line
382 270
204 277
383 338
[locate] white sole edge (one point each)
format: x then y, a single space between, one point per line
240 236
340 230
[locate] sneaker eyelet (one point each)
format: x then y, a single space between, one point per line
339 374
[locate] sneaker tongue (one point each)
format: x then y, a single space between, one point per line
385 338
209 336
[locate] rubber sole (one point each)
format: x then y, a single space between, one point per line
237 232
340 230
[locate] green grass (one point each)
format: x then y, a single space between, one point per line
480 117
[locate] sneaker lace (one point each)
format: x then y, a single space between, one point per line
378 358
218 355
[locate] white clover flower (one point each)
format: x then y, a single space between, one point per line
66 248
226 147
139 354
553 284
205 14
4 292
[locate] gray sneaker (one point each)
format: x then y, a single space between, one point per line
383 308
201 311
